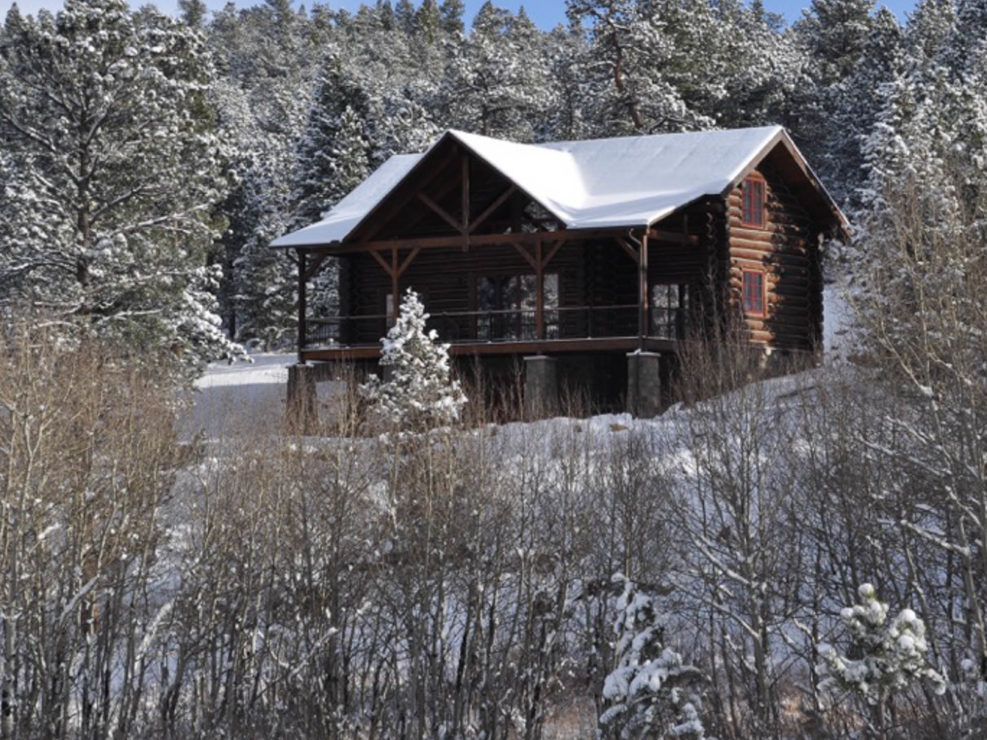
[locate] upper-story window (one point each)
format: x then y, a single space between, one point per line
753 201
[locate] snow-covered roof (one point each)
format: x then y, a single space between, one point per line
601 183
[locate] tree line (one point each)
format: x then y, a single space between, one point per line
147 161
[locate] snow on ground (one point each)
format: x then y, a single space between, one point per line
250 396
240 397
837 324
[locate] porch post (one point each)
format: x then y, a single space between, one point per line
642 289
395 277
540 301
301 303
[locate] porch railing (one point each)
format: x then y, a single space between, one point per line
502 326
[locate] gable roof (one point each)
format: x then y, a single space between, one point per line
627 182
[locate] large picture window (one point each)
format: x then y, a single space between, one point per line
753 201
668 307
507 306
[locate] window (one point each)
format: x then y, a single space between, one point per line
391 312
668 305
753 201
508 306
389 309
754 292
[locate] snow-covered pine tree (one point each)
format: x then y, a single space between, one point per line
332 158
419 392
451 17
855 104
263 280
495 83
835 32
105 117
655 66
334 152
892 656
651 693
759 66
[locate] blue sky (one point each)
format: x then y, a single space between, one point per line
545 13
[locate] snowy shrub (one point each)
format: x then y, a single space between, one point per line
892 656
419 392
651 692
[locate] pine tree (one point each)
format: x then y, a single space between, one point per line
419 393
333 158
451 15
193 12
651 693
428 22
855 105
495 83
892 656
105 116
835 35
656 66
334 152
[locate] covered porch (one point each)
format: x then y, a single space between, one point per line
511 293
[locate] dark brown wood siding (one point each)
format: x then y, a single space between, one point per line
786 248
446 279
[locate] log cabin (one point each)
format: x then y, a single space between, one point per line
574 264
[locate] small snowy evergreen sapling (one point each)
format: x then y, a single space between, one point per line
651 692
892 655
420 392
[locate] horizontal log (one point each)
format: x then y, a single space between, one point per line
737 243
772 232
774 258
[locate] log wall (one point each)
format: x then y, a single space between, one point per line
786 248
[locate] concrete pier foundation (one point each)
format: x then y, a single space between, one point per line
644 384
302 406
541 387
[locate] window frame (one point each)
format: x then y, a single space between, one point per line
754 179
744 294
510 308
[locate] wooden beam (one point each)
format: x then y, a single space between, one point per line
553 250
381 261
626 344
395 287
642 290
385 210
540 285
408 260
437 242
301 302
440 211
662 235
316 264
524 253
445 187
489 210
626 246
466 202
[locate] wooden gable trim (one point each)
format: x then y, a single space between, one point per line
784 140
396 199
423 174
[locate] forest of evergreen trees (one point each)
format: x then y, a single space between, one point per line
804 557
147 161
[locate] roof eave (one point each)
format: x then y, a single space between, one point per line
782 137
